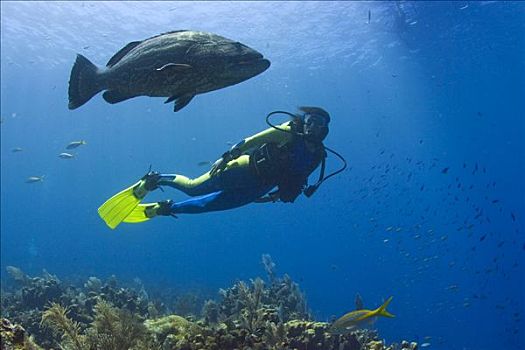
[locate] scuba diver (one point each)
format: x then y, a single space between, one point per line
281 156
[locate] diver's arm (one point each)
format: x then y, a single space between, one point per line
269 135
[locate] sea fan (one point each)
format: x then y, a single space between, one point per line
115 329
55 318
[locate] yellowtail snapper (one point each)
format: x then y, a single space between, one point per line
359 318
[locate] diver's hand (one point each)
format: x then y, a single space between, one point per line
221 163
270 197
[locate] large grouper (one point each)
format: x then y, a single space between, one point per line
177 65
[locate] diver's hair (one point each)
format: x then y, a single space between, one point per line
315 110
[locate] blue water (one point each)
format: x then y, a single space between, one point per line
419 88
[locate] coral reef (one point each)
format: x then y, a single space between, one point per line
279 301
111 329
296 334
14 337
31 296
255 315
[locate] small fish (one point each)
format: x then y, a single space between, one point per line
425 345
16 149
65 155
463 7
358 318
482 238
513 216
453 287
203 163
445 170
369 16
75 144
33 179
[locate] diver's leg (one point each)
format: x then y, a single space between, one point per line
216 201
203 184
237 174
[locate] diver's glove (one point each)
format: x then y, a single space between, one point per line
162 208
148 183
221 163
270 197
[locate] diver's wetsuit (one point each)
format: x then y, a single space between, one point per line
240 183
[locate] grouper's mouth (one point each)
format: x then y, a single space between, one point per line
253 67
254 60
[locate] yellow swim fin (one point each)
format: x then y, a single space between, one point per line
139 214
118 207
146 211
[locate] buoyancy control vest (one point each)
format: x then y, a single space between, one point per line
286 166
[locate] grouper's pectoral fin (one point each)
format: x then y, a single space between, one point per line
174 68
115 96
181 101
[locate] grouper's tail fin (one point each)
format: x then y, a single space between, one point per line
84 82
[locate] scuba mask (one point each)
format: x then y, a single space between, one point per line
315 126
